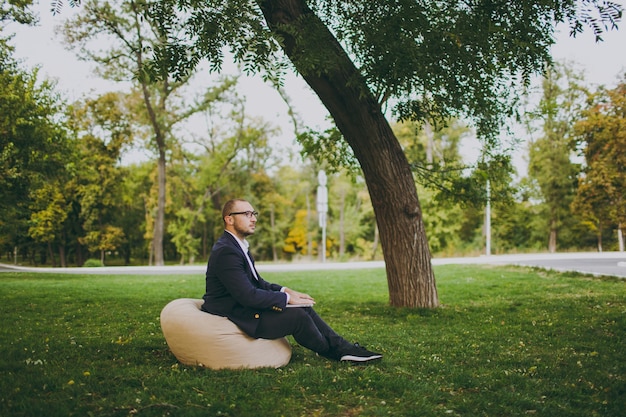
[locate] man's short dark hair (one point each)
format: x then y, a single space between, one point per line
228 207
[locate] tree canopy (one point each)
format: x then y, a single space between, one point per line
426 59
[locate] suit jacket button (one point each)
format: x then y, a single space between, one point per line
256 316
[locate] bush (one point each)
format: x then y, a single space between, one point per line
93 263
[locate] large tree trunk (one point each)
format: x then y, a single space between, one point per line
159 222
51 252
358 116
159 137
62 257
552 237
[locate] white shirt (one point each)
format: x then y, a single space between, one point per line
245 245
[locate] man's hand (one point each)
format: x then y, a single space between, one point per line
296 297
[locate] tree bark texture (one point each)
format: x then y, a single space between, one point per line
358 116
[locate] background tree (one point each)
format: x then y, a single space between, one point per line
436 58
602 134
103 129
345 219
550 157
134 206
49 212
298 238
591 204
34 150
292 210
438 167
130 34
517 224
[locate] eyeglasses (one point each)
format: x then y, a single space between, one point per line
248 214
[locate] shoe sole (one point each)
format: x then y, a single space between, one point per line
352 358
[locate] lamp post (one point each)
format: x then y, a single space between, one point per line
322 208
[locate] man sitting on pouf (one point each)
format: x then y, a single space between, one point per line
234 289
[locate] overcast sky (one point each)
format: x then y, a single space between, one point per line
602 63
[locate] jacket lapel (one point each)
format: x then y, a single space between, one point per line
251 273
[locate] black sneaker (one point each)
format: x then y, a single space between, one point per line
331 354
357 353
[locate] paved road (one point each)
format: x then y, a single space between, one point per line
605 266
605 263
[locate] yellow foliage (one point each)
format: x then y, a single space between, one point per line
296 240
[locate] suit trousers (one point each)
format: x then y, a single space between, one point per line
306 327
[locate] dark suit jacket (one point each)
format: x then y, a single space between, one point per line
232 290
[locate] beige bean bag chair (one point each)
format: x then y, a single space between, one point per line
202 339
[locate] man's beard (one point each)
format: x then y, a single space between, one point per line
244 232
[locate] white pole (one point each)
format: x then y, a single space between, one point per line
322 208
488 221
324 243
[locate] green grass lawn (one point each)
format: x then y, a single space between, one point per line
507 341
